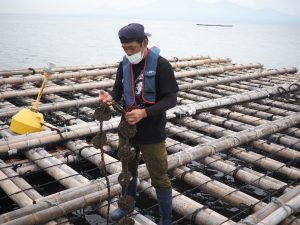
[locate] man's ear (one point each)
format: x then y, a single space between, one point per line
146 41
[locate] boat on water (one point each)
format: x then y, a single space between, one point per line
214 25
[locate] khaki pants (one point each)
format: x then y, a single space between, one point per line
155 158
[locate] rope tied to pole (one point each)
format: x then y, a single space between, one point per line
195 213
32 70
247 222
293 91
182 175
234 173
82 148
283 205
51 203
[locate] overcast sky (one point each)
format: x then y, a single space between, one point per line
85 6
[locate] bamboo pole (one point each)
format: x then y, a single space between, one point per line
185 206
191 109
58 76
265 101
279 79
139 219
69 170
180 158
39 141
217 189
20 182
112 166
14 192
113 140
52 170
277 103
54 211
281 213
57 69
222 191
107 84
234 140
251 105
64 105
59 105
195 63
240 153
108 159
211 82
27 189
86 67
216 70
228 168
102 72
247 177
47 157
31 168
271 207
10 140
59 89
93 155
187 58
273 110
232 169
249 87
59 198
85 181
254 112
286 106
63 167
262 111
213 187
252 120
250 177
276 149
25 137
55 106
238 126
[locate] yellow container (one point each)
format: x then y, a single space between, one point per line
27 121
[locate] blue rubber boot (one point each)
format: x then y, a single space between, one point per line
164 199
119 213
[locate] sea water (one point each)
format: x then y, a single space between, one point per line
33 40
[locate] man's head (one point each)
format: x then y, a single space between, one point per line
133 32
134 39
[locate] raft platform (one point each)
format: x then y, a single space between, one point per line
233 147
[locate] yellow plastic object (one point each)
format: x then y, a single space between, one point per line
27 121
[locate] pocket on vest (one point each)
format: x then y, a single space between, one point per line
150 82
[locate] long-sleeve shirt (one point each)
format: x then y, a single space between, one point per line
151 129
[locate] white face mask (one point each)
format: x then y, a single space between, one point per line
135 58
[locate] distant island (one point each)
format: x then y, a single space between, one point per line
214 25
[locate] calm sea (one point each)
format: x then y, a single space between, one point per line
31 41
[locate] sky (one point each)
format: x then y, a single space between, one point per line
290 7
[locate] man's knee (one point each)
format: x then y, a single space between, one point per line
156 159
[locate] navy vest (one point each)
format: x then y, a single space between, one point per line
148 82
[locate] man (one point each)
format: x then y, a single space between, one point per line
147 84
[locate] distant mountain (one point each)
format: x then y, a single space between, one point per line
219 12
